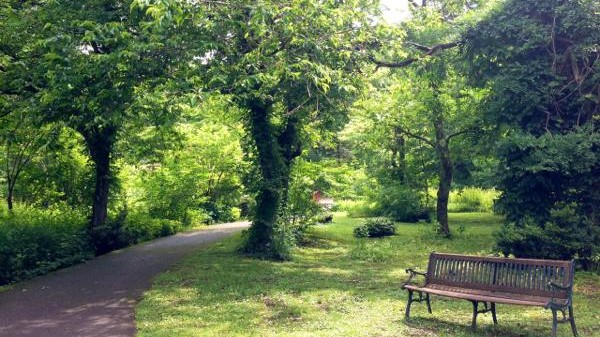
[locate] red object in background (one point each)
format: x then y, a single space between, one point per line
316 196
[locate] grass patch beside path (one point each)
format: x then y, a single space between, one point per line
338 286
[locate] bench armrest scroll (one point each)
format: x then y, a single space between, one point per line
412 273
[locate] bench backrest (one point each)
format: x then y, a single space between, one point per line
521 276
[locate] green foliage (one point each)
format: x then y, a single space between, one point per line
325 218
472 199
539 59
197 182
565 235
34 242
374 228
394 201
58 174
300 208
361 208
141 227
400 203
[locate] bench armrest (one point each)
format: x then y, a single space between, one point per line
412 273
551 284
555 289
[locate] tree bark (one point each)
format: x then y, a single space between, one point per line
275 155
445 174
9 198
100 144
260 235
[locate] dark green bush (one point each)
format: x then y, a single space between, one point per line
34 242
108 237
130 229
564 237
376 227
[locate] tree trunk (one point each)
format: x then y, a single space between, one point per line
9 197
275 155
445 175
100 145
260 235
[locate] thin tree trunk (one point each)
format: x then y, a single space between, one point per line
9 198
445 175
100 145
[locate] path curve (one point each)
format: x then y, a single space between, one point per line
97 298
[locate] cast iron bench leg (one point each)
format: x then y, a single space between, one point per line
410 300
429 305
494 313
475 312
554 322
572 319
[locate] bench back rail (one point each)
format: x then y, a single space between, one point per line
519 276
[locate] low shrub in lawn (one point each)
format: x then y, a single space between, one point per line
325 218
376 227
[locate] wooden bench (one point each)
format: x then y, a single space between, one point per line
492 280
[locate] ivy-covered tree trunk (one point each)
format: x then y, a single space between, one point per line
270 161
445 174
275 154
100 145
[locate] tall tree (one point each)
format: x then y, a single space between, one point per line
287 64
444 103
85 62
542 63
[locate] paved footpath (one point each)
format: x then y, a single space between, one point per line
97 298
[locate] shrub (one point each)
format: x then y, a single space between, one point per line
399 203
107 237
565 236
34 242
325 218
377 227
140 227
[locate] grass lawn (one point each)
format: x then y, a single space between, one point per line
339 286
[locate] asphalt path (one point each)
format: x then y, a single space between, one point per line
97 298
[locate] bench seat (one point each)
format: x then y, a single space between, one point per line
485 295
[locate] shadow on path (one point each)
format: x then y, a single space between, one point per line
97 298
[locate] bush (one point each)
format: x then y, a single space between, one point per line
34 242
472 200
377 227
325 218
565 236
140 227
399 203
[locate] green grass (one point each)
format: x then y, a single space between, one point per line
338 286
